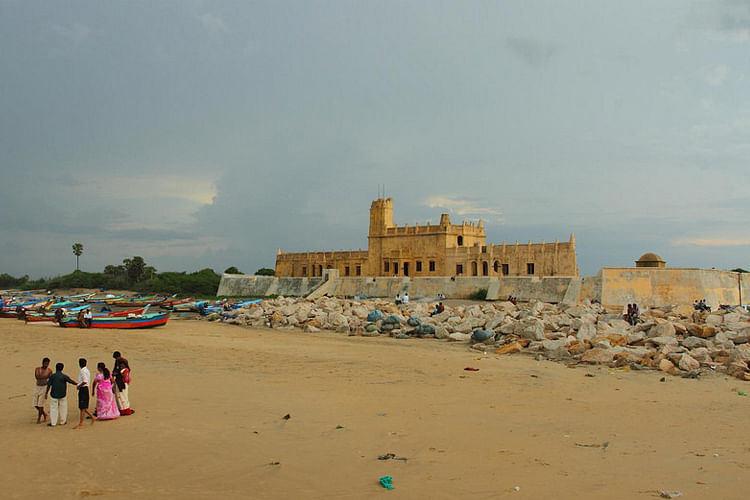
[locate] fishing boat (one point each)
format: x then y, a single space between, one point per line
190 306
148 320
79 298
151 300
221 307
36 317
104 299
11 309
171 304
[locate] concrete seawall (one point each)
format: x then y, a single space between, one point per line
548 289
667 286
236 285
611 286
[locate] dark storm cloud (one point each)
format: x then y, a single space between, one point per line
209 134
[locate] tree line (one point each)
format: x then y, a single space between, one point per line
134 274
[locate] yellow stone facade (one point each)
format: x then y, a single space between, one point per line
444 249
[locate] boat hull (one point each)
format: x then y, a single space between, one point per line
148 321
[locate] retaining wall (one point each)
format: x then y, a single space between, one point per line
262 286
667 286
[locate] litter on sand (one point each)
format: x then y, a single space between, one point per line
391 456
604 445
471 369
669 494
386 482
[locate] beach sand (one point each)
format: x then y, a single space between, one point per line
209 401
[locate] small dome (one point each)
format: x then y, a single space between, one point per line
650 259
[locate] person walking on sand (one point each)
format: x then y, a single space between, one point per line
106 408
41 374
84 379
57 388
121 373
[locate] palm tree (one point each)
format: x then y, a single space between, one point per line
77 251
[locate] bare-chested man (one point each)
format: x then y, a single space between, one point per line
41 374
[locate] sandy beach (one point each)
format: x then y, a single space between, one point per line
209 401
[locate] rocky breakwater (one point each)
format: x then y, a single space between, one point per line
676 340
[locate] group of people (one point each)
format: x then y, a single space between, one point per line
512 299
109 387
632 314
700 305
85 317
402 299
439 307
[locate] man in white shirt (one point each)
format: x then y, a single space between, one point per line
87 317
84 381
405 299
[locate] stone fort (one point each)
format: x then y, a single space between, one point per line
445 249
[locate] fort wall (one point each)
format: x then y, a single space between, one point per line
667 286
615 287
432 250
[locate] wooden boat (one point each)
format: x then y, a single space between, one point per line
50 316
104 299
190 306
151 300
221 307
10 310
171 304
148 320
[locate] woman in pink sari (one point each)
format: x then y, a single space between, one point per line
106 408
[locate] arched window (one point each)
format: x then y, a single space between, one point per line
460 241
496 266
473 268
485 269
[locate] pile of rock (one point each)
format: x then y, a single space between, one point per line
677 339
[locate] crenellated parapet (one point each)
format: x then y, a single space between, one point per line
443 249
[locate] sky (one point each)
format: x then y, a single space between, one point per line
209 134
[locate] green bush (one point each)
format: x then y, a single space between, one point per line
200 283
480 294
8 281
264 271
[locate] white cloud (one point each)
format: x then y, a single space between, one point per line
717 74
713 242
468 208
212 22
76 32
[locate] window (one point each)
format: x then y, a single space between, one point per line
460 241
473 268
304 270
432 266
459 268
506 269
530 268
359 270
346 270
386 266
419 266
395 268
495 266
320 270
484 249
485 269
